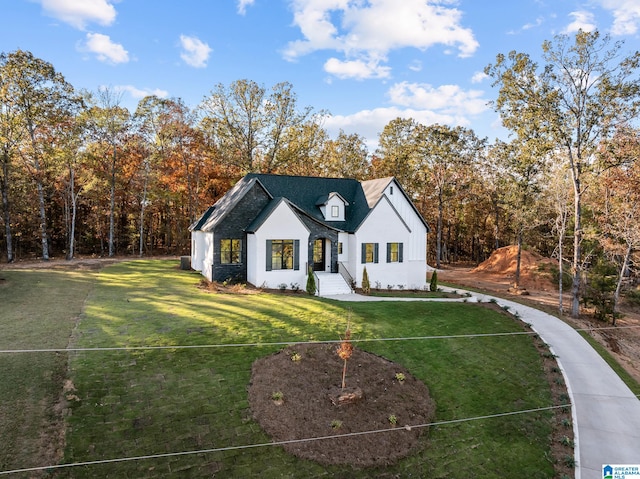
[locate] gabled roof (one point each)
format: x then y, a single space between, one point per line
304 191
304 194
224 205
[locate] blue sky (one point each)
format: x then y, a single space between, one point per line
366 62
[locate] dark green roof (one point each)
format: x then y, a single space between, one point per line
304 192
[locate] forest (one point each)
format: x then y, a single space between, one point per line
82 175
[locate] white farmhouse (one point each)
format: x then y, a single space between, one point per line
269 230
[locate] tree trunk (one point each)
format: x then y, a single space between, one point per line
577 253
74 200
43 220
112 204
143 204
439 231
616 294
518 260
561 274
4 185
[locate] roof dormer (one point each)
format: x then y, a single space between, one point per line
332 206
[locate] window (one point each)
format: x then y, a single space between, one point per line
391 190
230 250
369 252
335 211
340 247
394 252
283 254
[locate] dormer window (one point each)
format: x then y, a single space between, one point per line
333 207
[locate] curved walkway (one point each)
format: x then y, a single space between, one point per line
606 414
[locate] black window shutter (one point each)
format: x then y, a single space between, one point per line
363 259
375 252
269 252
388 252
400 248
296 254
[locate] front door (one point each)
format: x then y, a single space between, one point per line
319 255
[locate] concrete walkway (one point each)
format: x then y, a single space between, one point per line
606 414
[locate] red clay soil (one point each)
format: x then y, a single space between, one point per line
497 275
310 384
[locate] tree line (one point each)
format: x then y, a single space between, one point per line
81 174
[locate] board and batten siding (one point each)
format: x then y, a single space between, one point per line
416 249
383 226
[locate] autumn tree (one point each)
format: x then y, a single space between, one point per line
445 157
398 153
248 123
557 192
620 212
581 93
523 167
346 157
109 124
10 136
35 96
305 150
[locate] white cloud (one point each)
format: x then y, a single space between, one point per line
626 15
104 49
356 69
366 31
448 99
138 93
582 20
479 77
243 4
447 105
78 13
195 52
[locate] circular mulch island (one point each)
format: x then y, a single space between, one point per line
309 377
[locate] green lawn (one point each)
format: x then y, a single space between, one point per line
145 402
38 309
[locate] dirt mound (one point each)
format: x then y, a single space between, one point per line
504 261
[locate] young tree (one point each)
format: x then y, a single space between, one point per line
558 193
583 91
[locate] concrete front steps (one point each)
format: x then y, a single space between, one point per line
331 284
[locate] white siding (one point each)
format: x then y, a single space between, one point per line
416 250
281 224
202 253
382 226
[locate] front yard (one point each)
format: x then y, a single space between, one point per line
177 399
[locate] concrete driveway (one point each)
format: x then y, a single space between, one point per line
606 414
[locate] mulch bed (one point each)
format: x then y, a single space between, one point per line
309 377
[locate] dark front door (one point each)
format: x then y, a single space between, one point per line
319 255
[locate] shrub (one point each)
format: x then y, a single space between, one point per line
433 285
311 283
366 286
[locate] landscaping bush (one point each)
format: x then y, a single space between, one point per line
433 285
